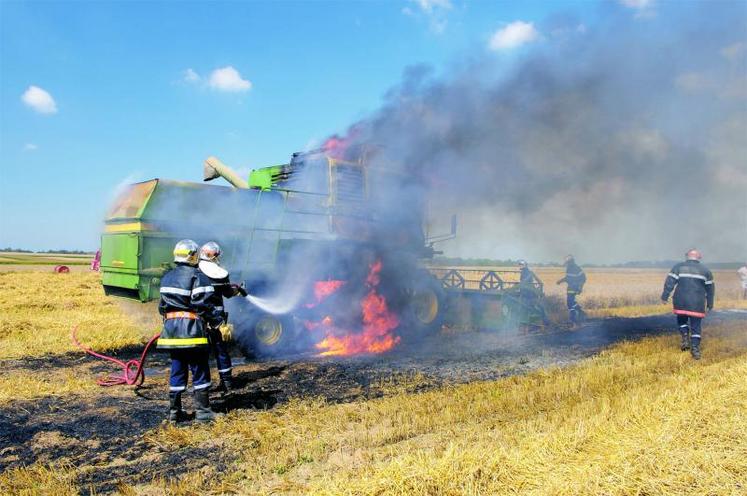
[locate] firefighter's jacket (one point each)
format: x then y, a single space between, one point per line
222 287
693 287
574 277
185 306
527 279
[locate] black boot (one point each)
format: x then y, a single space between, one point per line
684 340
176 414
695 348
226 383
203 413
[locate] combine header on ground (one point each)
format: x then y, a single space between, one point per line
350 268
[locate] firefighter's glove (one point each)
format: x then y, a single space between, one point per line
226 331
239 289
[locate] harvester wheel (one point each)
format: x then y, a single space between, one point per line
271 334
425 309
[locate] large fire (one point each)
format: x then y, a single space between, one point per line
378 322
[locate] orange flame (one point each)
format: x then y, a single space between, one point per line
323 289
376 335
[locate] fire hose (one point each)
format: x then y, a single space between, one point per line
132 370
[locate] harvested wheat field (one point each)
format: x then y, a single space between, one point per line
610 408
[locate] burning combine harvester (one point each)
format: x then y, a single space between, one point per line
333 260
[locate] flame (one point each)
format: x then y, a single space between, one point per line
323 289
335 146
378 324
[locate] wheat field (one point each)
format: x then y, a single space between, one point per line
638 418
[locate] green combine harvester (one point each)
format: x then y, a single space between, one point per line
288 226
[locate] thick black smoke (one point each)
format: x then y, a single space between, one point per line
626 140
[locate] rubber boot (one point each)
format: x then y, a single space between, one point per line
176 414
226 384
695 348
684 338
203 413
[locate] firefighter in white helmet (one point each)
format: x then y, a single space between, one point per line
210 266
694 291
186 308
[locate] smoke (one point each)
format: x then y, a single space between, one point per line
622 141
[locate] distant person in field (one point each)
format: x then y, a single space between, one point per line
186 308
694 291
742 272
210 266
575 278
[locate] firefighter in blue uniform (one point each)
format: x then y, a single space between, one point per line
210 266
186 308
575 278
694 291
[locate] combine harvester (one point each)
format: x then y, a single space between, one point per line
343 274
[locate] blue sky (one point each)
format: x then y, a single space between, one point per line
128 91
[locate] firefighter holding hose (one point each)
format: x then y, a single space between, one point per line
186 308
210 266
694 291
575 278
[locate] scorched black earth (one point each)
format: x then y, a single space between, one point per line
105 433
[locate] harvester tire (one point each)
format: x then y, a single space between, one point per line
271 335
424 313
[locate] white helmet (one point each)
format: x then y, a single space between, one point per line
185 251
210 251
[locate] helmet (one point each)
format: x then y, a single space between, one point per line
522 263
568 258
693 254
210 251
185 251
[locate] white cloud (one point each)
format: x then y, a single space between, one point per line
39 100
190 76
514 34
30 147
643 8
429 6
228 79
433 10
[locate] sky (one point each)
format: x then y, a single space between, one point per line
94 95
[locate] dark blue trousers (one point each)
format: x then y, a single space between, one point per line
574 309
220 349
691 325
186 360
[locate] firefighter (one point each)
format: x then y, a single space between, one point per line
694 290
186 308
575 278
210 266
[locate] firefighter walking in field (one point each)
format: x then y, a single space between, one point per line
210 266
694 291
185 306
575 278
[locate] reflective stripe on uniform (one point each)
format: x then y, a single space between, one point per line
181 341
179 291
177 388
202 289
684 325
694 276
220 309
674 276
202 386
182 315
223 371
709 282
695 335
689 313
577 274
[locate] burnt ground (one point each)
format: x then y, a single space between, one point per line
104 431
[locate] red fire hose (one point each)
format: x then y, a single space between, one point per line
132 370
